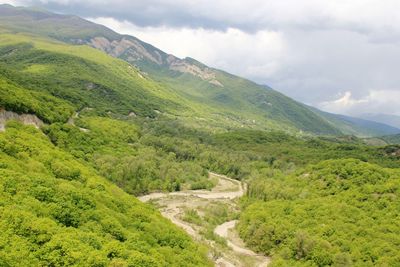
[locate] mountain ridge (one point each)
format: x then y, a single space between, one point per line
223 99
389 119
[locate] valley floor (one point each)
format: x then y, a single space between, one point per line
200 212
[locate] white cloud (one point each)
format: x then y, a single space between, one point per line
11 2
376 101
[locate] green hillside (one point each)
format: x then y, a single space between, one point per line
337 212
318 201
80 75
392 139
57 211
56 207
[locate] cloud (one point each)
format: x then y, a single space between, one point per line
11 2
379 17
375 102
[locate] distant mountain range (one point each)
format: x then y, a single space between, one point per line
188 90
358 126
392 120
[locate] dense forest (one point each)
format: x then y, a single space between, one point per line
337 212
57 211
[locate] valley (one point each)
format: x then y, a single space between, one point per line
227 249
114 153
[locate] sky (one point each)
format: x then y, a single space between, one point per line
341 56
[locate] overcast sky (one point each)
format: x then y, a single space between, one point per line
342 56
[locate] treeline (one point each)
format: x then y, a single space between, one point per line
140 160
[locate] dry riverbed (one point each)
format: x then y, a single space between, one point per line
210 218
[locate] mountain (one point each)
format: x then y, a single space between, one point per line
392 120
356 126
206 97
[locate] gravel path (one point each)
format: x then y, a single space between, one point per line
172 205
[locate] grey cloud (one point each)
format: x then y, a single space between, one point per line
142 13
318 66
249 16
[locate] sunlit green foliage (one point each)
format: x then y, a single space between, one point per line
46 107
337 212
80 75
135 160
56 211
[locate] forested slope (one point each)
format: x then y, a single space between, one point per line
337 212
55 210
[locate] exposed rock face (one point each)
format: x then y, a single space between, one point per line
130 48
133 50
203 73
27 119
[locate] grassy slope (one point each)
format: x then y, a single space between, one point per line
82 76
55 210
240 103
244 103
21 19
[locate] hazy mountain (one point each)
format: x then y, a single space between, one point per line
357 126
392 120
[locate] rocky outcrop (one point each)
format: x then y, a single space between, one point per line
130 48
203 73
27 119
133 50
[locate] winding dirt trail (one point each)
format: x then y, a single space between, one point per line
173 205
